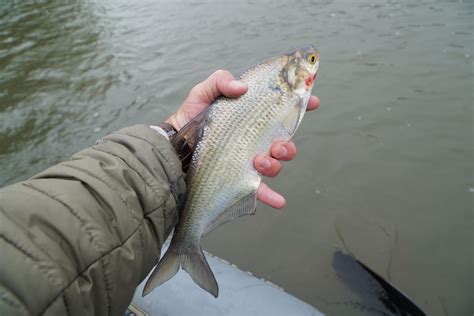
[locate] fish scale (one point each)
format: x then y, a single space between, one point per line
245 125
222 182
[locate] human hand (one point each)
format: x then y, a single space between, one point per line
224 83
221 82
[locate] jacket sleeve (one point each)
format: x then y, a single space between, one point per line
80 236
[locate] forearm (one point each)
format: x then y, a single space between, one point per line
81 235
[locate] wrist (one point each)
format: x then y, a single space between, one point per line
184 152
175 121
166 130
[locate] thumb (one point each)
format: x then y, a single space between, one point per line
221 82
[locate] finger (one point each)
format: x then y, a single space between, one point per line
267 166
221 82
313 103
270 197
283 150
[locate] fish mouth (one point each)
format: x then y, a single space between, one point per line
310 81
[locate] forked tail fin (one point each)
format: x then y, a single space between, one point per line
193 262
165 270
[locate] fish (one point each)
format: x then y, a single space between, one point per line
221 181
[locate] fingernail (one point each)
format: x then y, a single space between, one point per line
265 163
282 151
237 84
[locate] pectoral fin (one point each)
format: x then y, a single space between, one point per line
245 206
293 118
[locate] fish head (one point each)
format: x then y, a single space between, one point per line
300 70
297 78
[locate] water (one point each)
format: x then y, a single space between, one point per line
384 167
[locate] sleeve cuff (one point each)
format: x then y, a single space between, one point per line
160 130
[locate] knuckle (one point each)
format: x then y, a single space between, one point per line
276 168
221 73
218 72
197 89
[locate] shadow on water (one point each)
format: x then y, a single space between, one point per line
377 296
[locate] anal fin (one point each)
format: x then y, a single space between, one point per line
245 206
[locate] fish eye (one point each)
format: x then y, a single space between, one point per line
311 58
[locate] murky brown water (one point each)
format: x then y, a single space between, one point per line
384 167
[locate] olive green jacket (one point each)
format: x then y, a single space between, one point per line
78 238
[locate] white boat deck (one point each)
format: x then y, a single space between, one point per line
240 293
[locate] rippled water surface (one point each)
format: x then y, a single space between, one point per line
384 168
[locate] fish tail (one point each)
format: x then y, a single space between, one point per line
165 270
193 262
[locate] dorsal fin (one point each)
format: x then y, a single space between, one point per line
186 140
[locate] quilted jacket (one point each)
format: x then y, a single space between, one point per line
78 238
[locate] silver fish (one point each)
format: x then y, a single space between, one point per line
222 182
